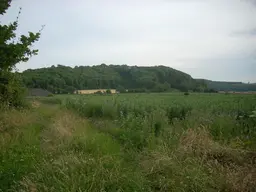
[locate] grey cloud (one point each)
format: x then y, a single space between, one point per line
225 68
250 32
253 2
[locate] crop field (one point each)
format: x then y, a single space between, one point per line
130 142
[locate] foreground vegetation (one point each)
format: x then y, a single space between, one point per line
135 142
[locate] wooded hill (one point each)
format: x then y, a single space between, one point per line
64 79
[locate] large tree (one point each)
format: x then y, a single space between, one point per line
13 50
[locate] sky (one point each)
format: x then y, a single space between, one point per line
210 39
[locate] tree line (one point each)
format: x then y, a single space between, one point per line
64 79
230 86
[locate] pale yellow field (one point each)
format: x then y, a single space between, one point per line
92 91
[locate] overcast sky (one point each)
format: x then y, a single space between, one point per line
212 39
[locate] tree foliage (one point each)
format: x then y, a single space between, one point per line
123 78
13 50
227 86
63 79
4 5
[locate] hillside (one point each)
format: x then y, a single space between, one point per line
229 86
63 79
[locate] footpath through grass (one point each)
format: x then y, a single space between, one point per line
130 143
49 148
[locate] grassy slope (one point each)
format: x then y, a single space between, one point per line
50 148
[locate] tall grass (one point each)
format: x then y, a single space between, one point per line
152 114
203 139
133 142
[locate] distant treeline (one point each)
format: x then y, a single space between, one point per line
64 79
229 86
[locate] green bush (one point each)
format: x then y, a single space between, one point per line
108 91
13 93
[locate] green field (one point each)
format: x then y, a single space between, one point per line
130 142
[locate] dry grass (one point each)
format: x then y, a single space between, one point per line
199 163
35 104
27 185
197 142
64 124
11 124
237 167
63 128
13 118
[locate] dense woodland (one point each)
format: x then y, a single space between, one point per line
230 86
64 79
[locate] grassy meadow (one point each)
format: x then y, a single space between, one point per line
130 142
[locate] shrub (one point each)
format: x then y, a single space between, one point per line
12 94
108 91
